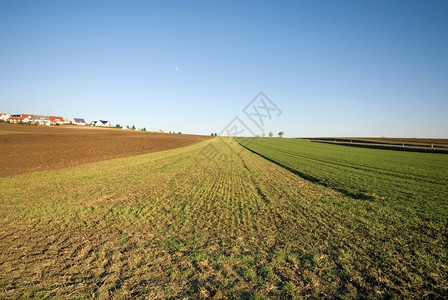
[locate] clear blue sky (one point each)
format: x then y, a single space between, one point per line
334 68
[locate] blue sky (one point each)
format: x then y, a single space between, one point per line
333 68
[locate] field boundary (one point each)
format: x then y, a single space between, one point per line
381 146
312 179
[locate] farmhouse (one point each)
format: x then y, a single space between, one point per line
79 121
100 123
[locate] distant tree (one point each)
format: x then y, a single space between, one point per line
127 126
117 126
271 134
212 134
179 132
281 133
133 127
144 129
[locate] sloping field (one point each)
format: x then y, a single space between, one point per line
26 149
208 220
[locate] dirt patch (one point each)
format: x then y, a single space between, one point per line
27 149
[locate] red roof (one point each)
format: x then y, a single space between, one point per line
24 116
56 119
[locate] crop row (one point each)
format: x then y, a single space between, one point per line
416 182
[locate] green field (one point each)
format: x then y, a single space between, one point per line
409 190
417 182
216 220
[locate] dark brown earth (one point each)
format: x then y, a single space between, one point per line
25 148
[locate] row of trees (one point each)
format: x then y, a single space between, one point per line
130 128
271 134
280 134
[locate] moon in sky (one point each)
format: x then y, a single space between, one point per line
177 68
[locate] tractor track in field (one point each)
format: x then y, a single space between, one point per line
359 196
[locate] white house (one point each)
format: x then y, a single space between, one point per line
5 117
25 118
56 120
42 120
100 123
103 123
13 119
79 121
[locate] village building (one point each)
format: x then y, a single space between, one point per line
42 120
5 117
66 121
26 118
100 123
56 120
15 118
21 118
79 121
49 120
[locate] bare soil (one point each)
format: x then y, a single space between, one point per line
25 149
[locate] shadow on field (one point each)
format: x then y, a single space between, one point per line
358 196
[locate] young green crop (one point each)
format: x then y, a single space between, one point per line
417 182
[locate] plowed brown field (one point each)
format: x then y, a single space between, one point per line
26 149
